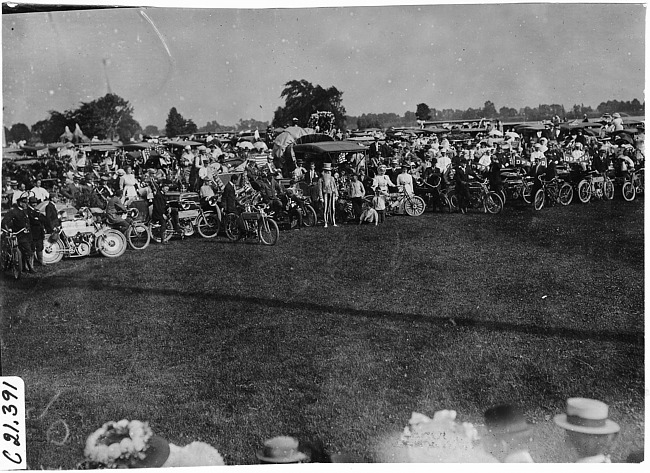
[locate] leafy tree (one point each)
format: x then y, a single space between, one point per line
19 132
302 99
489 110
505 112
423 112
251 124
177 125
151 130
50 129
109 117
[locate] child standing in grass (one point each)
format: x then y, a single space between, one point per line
379 204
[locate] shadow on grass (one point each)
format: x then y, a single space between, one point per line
460 320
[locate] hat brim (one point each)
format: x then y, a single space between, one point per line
610 426
157 453
296 457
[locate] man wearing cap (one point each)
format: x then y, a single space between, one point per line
588 429
17 220
509 434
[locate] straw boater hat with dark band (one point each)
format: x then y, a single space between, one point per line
281 450
588 416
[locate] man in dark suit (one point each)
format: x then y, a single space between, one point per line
228 198
461 177
311 177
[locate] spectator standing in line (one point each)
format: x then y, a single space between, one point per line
617 122
328 195
356 192
588 429
37 224
405 180
379 204
38 191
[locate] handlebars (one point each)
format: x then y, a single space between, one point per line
11 233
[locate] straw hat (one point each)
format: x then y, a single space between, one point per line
588 416
327 167
281 450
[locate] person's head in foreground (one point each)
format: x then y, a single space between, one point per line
509 434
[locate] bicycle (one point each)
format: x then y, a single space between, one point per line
554 191
409 203
11 257
481 195
517 185
252 222
137 235
633 185
428 194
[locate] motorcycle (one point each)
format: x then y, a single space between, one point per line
192 218
82 236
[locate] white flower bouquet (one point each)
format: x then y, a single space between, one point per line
123 444
442 440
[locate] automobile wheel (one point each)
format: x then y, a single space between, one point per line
584 191
209 224
138 236
268 231
310 218
233 232
493 203
52 252
112 243
628 191
16 263
565 194
414 206
539 199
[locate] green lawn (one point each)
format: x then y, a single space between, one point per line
338 333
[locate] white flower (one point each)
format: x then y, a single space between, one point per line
127 445
194 454
123 423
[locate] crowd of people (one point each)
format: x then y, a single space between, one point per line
351 187
505 436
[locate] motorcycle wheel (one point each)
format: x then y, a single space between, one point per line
52 252
209 224
268 231
414 206
584 191
310 218
539 199
565 194
628 191
493 203
138 236
158 233
608 189
233 232
16 263
112 243
526 193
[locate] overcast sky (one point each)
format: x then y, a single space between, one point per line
229 64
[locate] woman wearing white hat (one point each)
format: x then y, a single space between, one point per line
588 429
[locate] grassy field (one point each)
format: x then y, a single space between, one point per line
339 333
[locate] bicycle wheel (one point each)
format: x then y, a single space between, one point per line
158 233
414 206
310 218
584 191
233 232
138 236
269 231
493 203
502 194
628 191
16 263
526 193
565 194
539 199
451 202
112 243
52 252
209 224
608 189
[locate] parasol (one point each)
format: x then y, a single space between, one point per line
245 145
260 145
495 132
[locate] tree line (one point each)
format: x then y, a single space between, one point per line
111 117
